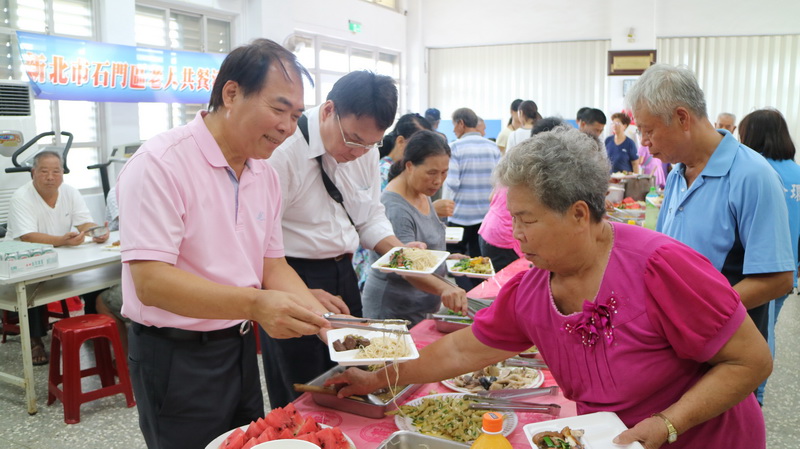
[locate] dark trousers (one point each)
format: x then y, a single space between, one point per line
299 360
501 257
190 392
760 316
37 321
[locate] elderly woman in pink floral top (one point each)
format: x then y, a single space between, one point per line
629 320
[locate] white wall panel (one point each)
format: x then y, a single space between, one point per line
744 73
560 77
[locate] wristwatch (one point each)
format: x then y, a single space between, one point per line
672 433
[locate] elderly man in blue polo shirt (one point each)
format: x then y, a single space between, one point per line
469 179
722 199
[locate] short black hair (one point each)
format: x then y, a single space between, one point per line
365 94
433 114
766 131
593 115
546 124
515 104
406 126
248 66
420 146
581 111
466 115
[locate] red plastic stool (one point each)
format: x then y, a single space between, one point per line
70 334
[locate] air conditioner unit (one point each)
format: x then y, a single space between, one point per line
17 126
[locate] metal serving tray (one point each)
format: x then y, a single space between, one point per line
412 440
372 408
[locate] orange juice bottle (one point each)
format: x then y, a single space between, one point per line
492 437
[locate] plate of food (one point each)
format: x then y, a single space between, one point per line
453 234
447 415
283 424
530 352
592 431
410 261
473 267
496 377
360 347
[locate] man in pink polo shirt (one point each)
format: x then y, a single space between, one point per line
202 253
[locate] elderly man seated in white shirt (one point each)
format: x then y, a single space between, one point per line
46 210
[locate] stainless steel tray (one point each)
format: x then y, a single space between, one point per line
370 409
405 439
446 326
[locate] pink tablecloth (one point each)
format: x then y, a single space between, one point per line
489 288
368 433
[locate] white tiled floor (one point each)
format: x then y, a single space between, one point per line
108 424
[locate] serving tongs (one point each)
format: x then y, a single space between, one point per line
484 403
353 323
333 391
526 363
518 392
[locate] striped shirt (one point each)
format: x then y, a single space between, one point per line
469 180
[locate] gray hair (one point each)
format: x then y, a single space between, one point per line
43 154
560 167
727 114
663 88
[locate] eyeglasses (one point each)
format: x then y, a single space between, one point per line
356 144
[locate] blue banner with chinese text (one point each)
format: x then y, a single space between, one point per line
61 68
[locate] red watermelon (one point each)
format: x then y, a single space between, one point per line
252 430
252 442
332 438
235 440
310 437
279 419
309 426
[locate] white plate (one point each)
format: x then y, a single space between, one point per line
451 262
348 358
535 382
509 422
384 260
214 444
599 430
453 234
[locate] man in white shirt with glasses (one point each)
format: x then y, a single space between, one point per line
321 231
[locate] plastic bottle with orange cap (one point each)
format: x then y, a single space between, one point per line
492 436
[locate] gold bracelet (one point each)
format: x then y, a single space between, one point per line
672 433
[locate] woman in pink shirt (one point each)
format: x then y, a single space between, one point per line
629 320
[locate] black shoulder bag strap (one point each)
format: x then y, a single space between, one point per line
333 191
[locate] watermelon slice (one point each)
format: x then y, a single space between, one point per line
270 433
235 440
332 438
286 434
250 443
279 419
296 417
252 430
309 426
310 437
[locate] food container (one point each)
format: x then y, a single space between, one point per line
616 193
405 439
373 408
447 326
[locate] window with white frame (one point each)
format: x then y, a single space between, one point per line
167 28
328 60
387 3
70 18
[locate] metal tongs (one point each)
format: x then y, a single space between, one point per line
351 323
526 363
518 392
485 403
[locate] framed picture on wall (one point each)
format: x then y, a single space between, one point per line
626 84
633 62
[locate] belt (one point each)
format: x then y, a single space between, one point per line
348 256
175 334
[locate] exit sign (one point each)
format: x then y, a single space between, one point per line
355 27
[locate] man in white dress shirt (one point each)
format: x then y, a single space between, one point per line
320 234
